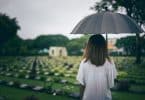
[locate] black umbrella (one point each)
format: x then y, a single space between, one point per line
107 22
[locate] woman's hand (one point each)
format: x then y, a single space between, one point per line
82 88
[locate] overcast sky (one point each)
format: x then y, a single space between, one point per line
37 17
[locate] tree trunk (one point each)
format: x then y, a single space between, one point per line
138 49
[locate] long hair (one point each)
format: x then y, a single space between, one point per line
96 50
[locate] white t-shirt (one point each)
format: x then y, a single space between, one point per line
97 80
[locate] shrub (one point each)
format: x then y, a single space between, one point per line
123 85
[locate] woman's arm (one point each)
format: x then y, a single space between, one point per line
82 88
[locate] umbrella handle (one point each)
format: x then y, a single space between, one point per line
107 43
106 39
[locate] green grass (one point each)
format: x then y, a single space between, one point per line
20 94
66 88
127 96
26 81
41 83
137 73
137 87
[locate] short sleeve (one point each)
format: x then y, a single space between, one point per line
111 74
80 75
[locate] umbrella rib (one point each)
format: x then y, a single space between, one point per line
107 22
114 23
102 23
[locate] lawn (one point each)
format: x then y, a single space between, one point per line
51 72
20 94
127 96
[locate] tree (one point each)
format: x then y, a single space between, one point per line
12 46
128 44
75 46
45 41
8 28
134 9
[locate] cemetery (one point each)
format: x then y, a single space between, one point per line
43 44
56 77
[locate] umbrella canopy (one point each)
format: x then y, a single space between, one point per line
107 22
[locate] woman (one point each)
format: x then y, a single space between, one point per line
97 71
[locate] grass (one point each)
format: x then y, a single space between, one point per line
137 87
127 96
26 81
20 94
66 88
55 85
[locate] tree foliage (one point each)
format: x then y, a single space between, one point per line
45 41
128 44
134 8
8 28
75 46
12 46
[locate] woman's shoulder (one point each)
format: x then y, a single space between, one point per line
110 60
109 63
83 61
